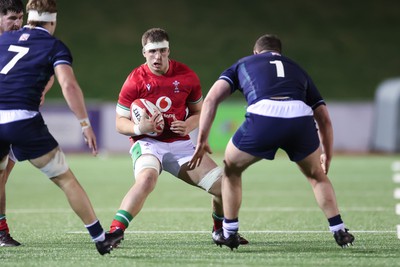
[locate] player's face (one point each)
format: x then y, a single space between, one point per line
157 60
11 21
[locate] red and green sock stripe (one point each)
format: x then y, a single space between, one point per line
121 220
217 221
3 223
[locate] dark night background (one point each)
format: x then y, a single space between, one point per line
348 47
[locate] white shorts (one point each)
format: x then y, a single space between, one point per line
171 155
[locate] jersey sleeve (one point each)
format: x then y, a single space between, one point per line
126 96
230 76
62 54
313 96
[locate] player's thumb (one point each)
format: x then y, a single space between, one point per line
143 113
208 149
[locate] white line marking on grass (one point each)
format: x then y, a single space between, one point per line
188 210
396 193
396 177
396 166
250 231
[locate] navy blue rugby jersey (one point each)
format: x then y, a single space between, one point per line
27 60
270 74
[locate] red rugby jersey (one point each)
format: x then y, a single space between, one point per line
170 92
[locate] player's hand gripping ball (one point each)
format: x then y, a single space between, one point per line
136 112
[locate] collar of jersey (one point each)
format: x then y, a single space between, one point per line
36 28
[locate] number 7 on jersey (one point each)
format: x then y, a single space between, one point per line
21 51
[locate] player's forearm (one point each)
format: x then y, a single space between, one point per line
192 122
218 92
323 120
71 90
207 116
75 100
124 126
326 135
48 85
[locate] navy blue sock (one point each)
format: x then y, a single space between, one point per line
231 221
96 231
335 220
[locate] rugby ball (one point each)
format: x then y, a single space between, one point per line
136 112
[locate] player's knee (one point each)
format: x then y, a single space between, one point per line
56 166
314 172
145 184
210 178
233 169
147 162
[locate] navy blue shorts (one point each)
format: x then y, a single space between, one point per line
262 136
29 138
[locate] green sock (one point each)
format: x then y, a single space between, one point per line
123 217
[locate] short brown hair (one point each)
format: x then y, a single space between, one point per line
154 35
11 6
268 42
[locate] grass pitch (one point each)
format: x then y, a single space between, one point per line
279 216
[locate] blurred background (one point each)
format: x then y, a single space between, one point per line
349 48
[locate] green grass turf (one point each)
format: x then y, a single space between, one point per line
279 216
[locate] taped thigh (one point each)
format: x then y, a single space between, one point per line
56 166
146 161
210 178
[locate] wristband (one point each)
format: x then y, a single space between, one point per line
85 123
136 129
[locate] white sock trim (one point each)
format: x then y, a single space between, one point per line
230 228
93 223
101 237
336 228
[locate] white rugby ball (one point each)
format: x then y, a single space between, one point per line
136 111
